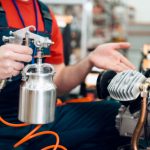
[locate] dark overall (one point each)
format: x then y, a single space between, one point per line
83 126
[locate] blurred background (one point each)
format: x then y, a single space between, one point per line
87 23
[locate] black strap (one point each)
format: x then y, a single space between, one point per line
46 17
3 21
45 14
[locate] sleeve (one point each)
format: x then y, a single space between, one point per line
56 50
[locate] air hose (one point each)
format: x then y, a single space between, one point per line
32 135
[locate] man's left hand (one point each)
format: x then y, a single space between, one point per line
106 56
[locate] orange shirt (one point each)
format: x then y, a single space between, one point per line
28 14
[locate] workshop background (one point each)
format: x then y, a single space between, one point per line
88 23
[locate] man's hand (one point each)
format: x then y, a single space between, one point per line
12 58
106 56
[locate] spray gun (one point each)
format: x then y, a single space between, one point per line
16 37
37 90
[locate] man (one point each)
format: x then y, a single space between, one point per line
82 126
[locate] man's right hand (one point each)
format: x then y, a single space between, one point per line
12 58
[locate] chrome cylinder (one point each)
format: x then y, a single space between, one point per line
37 95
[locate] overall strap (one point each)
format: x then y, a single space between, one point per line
4 29
46 17
45 13
3 20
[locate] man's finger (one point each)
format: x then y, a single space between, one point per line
124 67
116 68
17 65
15 73
127 62
19 49
122 45
119 67
19 57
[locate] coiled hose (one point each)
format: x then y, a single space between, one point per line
32 135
